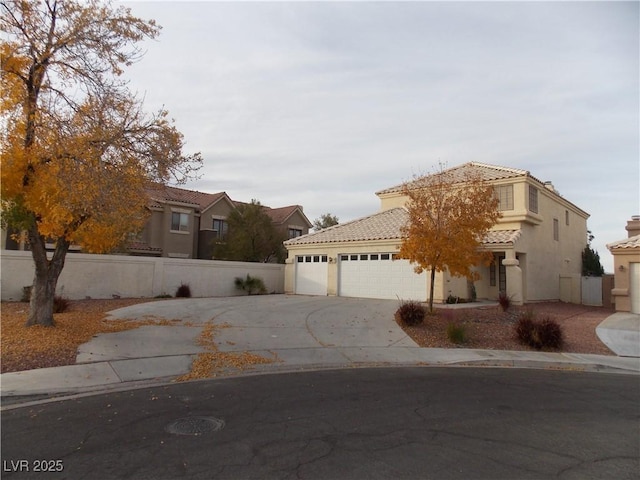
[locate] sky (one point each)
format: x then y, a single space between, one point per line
322 104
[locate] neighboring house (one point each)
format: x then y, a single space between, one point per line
537 249
626 264
187 224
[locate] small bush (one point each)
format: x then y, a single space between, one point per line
456 333
504 300
250 284
26 294
546 334
525 327
410 313
183 291
550 334
60 304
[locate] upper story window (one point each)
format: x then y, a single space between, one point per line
220 228
566 217
505 197
295 232
533 199
179 222
556 229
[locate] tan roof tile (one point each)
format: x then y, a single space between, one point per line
631 242
386 225
460 173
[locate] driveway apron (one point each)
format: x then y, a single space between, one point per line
297 329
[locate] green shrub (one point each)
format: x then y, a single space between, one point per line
60 304
250 284
410 313
451 299
183 291
456 333
545 334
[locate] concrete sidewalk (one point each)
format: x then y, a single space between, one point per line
298 332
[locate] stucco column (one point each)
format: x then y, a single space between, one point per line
289 275
514 279
332 276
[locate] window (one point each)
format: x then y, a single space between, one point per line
492 273
295 232
556 229
533 199
179 222
344 258
374 256
353 257
364 257
566 217
221 228
384 256
505 197
498 273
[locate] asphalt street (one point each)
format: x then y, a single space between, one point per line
378 423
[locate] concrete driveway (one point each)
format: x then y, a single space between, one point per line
296 332
296 329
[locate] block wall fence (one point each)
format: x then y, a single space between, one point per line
108 276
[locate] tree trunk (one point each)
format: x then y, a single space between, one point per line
46 278
431 288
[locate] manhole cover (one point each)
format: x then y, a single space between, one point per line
195 425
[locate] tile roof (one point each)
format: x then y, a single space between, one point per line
165 193
386 225
460 173
143 247
280 215
631 242
379 226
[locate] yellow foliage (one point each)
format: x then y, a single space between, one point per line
77 151
448 219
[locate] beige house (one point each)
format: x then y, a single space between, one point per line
626 264
187 224
537 247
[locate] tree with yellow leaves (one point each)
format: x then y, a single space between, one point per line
449 215
77 149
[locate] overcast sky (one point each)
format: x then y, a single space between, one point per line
322 104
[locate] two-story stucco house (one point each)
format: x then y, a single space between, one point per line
626 262
187 223
537 247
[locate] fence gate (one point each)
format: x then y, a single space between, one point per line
592 291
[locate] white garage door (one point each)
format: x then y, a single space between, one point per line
311 274
378 275
634 286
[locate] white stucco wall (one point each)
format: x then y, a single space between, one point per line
103 276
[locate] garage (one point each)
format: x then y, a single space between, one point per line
634 287
379 275
311 274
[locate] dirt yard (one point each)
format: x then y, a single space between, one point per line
491 328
